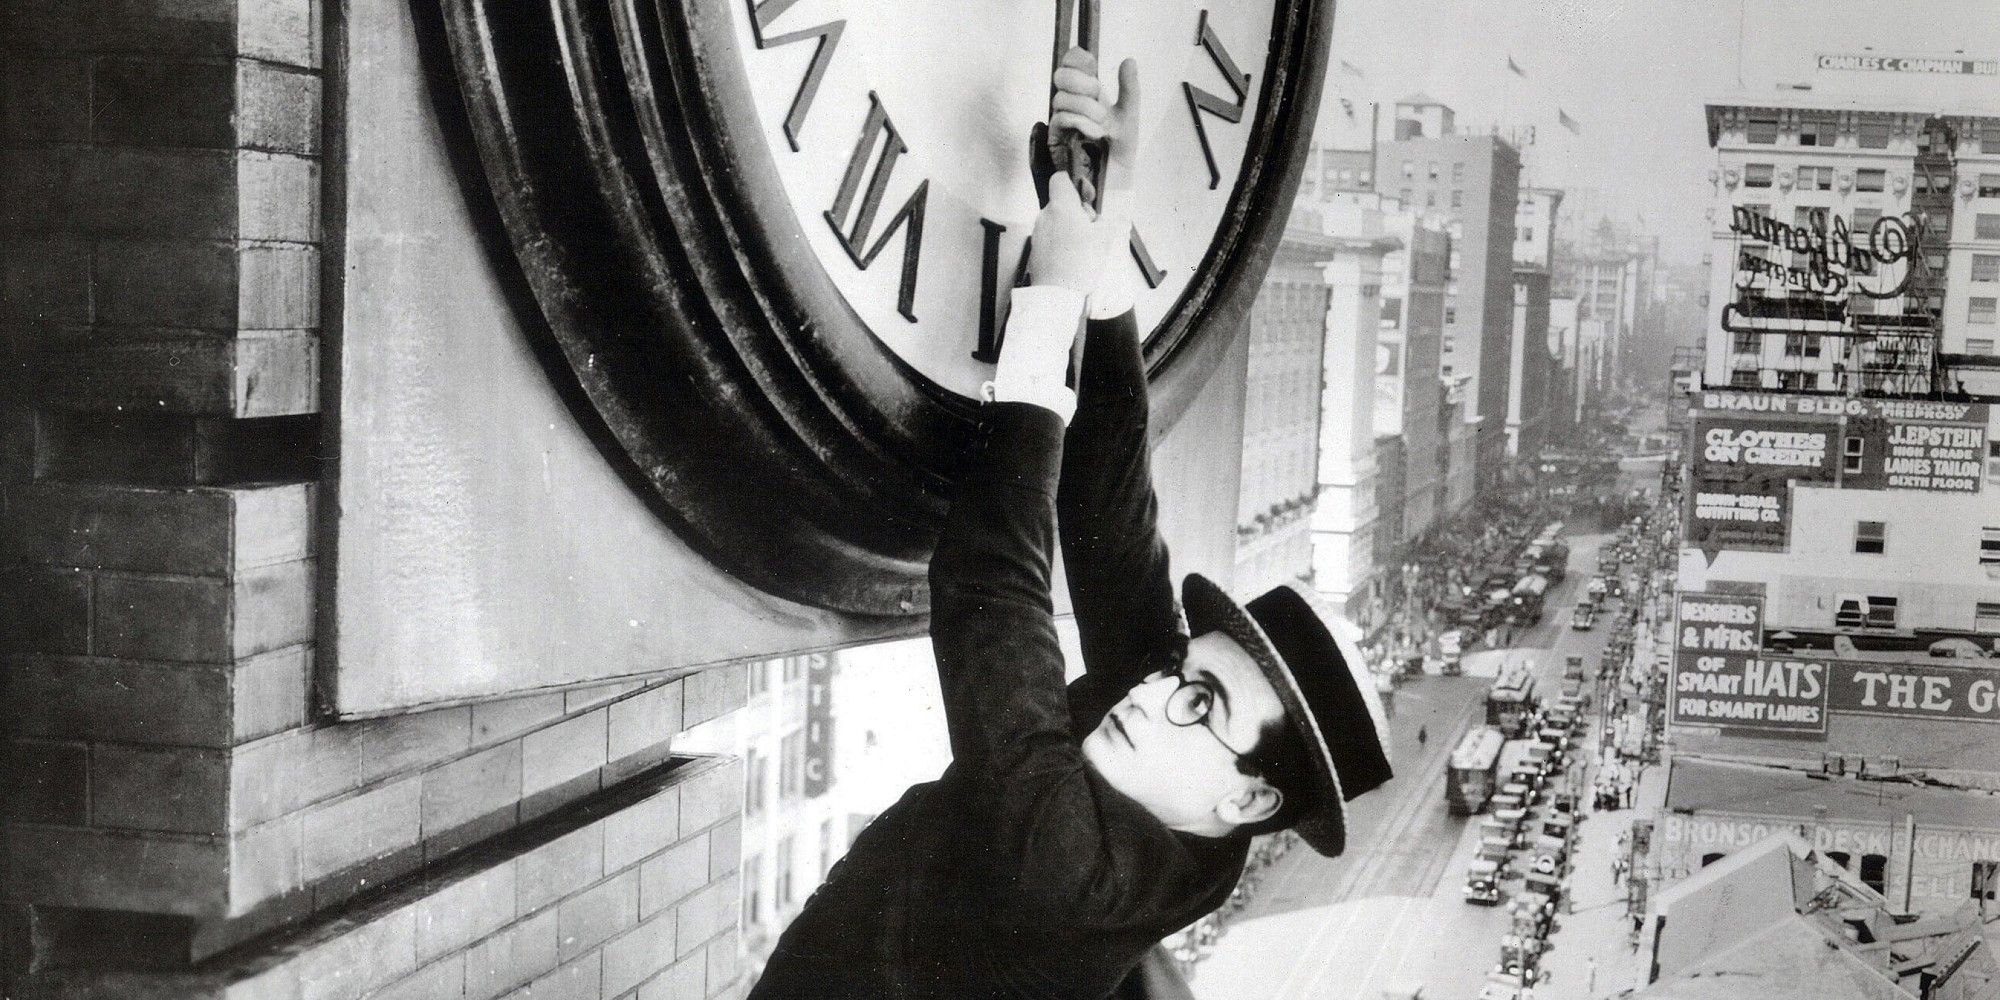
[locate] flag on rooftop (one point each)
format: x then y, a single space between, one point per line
1563 118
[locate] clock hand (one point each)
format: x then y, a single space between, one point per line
1077 26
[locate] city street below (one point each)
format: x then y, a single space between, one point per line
1389 917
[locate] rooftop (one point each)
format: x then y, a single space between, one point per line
1807 100
1718 786
1791 959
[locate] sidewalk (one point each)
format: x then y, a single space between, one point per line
1597 931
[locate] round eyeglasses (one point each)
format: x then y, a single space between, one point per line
1191 703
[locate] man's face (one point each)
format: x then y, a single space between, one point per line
1186 775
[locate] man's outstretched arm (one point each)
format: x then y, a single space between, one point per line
1119 578
992 620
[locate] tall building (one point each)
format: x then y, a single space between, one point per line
1606 272
1535 224
1474 181
1345 523
1459 428
1839 610
1531 366
1331 171
1281 414
1563 412
1409 346
1864 236
793 829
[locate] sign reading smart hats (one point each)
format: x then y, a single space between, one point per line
1723 678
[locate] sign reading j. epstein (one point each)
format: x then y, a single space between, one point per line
1722 676
1916 445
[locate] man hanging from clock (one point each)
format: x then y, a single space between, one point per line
1077 826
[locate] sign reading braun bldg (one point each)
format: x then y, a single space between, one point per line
1910 64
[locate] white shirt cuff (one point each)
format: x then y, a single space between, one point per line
1042 326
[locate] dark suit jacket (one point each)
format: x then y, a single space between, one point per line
1020 872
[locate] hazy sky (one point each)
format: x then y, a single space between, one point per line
1633 74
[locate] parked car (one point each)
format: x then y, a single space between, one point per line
1584 617
1482 883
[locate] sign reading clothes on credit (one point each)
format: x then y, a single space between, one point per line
1723 677
1743 469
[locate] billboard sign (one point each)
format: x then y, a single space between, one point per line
819 726
1749 448
1723 677
1743 467
1918 690
1870 62
1916 445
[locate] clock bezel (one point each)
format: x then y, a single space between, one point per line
620 162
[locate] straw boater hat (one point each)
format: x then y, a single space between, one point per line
1326 689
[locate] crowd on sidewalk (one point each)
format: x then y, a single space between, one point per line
1417 618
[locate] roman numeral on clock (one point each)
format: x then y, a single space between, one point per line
762 15
853 235
1152 272
993 312
1200 100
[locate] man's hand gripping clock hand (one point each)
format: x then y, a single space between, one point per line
1079 111
1076 249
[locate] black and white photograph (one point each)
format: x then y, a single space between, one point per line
991 499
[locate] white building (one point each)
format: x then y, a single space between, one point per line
1343 523
1563 344
1864 561
795 824
1281 414
1535 223
1789 164
1409 351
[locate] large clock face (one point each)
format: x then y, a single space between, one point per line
767 245
900 131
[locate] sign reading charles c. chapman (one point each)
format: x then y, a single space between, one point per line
1870 62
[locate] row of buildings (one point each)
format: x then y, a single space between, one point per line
1836 653
1495 326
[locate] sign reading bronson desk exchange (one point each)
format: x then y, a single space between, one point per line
773 240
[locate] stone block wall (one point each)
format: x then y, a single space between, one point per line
178 819
630 896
